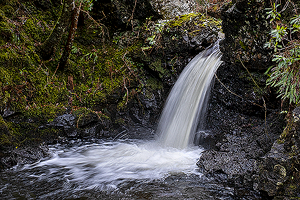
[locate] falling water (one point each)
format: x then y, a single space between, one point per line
186 102
129 167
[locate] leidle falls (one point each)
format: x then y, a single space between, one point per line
162 168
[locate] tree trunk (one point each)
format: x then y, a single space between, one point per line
47 49
72 31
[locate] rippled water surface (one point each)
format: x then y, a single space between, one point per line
130 169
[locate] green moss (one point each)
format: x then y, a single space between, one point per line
280 141
9 2
85 115
243 45
6 34
97 74
4 133
43 114
8 10
36 29
197 18
154 84
157 66
2 15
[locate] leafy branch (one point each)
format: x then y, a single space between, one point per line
284 40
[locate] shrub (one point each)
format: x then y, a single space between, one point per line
284 39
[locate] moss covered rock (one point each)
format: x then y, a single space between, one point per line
4 133
171 8
279 173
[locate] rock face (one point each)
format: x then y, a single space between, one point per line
247 30
278 170
241 140
251 149
172 8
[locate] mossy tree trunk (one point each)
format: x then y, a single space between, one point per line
72 31
47 49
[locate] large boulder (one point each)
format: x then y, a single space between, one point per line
172 8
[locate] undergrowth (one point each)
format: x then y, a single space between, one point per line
100 71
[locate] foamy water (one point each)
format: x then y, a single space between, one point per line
111 163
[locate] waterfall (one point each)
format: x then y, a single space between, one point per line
186 101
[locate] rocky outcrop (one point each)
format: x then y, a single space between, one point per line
240 141
252 152
247 30
278 170
172 8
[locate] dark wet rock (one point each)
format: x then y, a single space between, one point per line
22 155
7 112
82 123
86 118
246 31
66 122
118 14
278 170
230 163
205 139
205 38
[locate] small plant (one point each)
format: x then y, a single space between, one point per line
285 74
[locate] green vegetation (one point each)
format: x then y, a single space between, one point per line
101 68
285 75
36 89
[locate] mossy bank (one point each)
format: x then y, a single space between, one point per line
120 72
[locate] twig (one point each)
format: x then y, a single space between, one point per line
127 93
98 23
55 71
227 87
233 92
264 105
250 75
131 18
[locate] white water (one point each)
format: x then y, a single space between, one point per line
186 101
106 165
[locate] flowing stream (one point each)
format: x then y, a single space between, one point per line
188 99
164 168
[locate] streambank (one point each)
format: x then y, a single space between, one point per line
254 145
138 68
117 77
